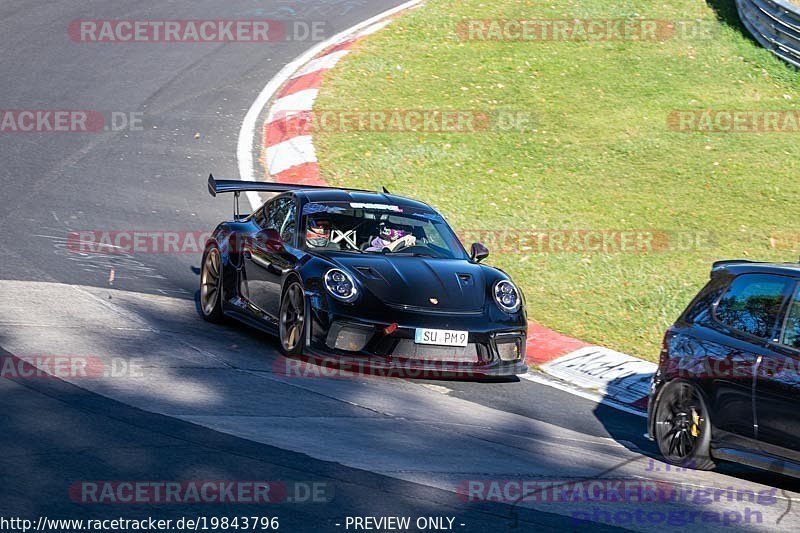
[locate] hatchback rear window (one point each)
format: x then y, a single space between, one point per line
752 303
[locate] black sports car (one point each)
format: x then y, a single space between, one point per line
728 379
362 276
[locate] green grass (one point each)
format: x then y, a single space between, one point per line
600 155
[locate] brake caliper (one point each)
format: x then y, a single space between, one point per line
695 430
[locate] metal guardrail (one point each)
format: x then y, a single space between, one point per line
775 24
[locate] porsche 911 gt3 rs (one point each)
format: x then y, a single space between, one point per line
362 276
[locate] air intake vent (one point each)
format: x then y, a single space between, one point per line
465 280
368 272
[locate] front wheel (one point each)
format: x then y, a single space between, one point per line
683 426
291 324
211 286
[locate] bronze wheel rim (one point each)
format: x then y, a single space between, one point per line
292 317
210 282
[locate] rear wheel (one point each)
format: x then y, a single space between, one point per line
211 286
291 324
683 426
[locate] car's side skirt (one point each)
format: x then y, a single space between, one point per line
242 313
758 460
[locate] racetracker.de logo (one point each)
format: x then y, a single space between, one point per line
603 490
333 367
195 31
777 368
607 241
734 121
68 121
200 492
69 367
584 30
137 241
289 123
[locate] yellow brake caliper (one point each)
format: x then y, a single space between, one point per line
695 431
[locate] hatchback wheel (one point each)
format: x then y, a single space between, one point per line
682 426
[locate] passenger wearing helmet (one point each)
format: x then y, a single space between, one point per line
391 238
318 233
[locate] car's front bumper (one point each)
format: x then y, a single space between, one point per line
384 342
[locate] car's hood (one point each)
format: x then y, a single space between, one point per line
436 284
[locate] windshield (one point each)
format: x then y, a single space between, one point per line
378 228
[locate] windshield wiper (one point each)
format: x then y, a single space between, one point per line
387 251
413 254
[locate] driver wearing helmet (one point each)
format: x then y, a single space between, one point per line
318 233
391 238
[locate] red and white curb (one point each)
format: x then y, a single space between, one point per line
288 150
288 155
296 87
603 375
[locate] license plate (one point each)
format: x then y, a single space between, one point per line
441 337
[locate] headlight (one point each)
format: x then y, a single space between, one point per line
507 296
340 285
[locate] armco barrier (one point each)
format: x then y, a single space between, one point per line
775 24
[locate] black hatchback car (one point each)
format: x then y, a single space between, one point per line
728 380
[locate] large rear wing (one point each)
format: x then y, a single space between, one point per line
237 187
216 186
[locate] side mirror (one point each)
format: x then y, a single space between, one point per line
271 239
478 252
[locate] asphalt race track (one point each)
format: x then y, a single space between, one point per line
188 401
